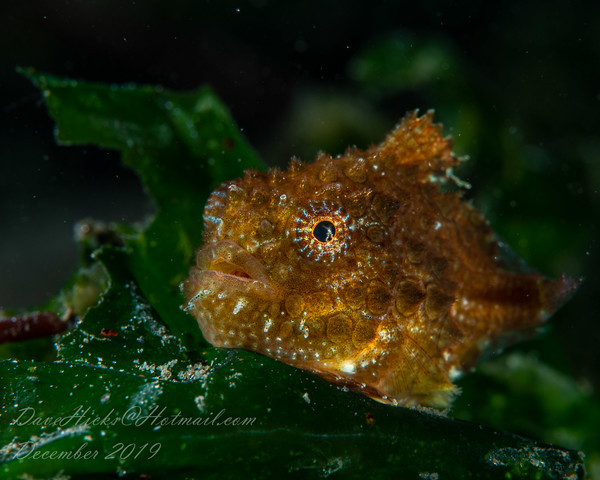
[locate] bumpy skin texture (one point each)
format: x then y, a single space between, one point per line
359 269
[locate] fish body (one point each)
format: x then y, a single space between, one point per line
359 268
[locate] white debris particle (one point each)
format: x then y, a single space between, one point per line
384 335
197 372
429 475
241 303
146 366
306 332
348 367
306 398
146 396
333 465
165 370
268 324
200 402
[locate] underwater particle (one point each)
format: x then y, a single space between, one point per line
369 274
108 333
370 419
200 402
429 475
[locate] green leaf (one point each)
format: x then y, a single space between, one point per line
299 425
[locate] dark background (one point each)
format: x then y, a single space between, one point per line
516 83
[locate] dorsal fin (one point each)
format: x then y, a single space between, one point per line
418 142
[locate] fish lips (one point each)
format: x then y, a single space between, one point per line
226 281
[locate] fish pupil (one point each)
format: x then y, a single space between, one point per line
324 231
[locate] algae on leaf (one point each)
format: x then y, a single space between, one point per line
138 390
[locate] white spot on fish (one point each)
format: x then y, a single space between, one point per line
241 303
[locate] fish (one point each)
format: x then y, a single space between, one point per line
368 269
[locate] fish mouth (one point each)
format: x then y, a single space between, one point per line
225 288
225 267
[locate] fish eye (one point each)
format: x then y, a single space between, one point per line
324 231
321 231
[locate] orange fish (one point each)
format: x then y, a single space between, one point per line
360 269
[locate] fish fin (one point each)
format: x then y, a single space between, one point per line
555 293
506 307
420 379
417 143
